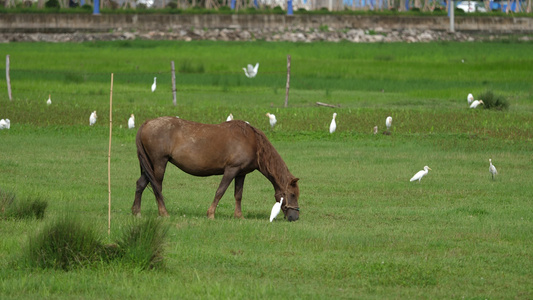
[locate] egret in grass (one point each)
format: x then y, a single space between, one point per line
49 101
388 122
333 125
154 85
250 71
272 120
276 209
5 124
229 118
418 176
476 103
92 118
492 169
131 122
470 98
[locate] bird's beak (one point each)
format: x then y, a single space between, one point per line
429 168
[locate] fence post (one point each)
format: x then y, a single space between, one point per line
288 80
173 83
109 157
8 79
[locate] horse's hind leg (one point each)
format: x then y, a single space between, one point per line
159 172
239 183
222 187
141 185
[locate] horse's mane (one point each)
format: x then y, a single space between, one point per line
269 161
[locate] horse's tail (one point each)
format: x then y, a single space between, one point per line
146 165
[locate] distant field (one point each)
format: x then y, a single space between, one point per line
365 231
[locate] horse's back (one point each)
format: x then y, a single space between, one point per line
200 149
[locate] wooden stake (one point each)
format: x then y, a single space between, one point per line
109 156
173 83
288 80
8 79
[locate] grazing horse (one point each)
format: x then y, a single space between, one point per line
231 149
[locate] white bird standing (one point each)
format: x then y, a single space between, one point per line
276 209
251 71
418 176
5 124
92 118
131 122
388 122
49 101
154 85
272 119
476 103
492 169
333 125
229 118
470 98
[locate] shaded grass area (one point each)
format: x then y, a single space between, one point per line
67 244
13 208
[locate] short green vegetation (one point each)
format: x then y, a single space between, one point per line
365 231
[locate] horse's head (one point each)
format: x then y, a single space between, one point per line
290 206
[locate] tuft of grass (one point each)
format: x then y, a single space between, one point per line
67 244
494 101
12 208
142 243
6 199
64 244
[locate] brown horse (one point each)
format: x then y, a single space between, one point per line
232 149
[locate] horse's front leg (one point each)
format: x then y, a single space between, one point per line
222 187
239 184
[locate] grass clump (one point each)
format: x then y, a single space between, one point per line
142 243
12 208
494 101
64 244
67 244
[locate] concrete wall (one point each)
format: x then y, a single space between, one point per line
152 22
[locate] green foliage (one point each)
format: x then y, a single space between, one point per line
64 244
13 208
52 4
142 243
68 244
494 101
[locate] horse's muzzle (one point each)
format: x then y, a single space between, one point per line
292 216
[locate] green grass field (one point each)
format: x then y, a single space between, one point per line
365 231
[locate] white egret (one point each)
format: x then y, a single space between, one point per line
388 122
276 209
229 118
375 129
49 101
418 176
154 85
476 103
492 169
272 118
333 125
92 118
5 124
251 71
131 122
470 98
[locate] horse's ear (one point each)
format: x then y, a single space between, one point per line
294 181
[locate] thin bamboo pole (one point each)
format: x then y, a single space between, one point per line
109 157
174 101
8 79
288 80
